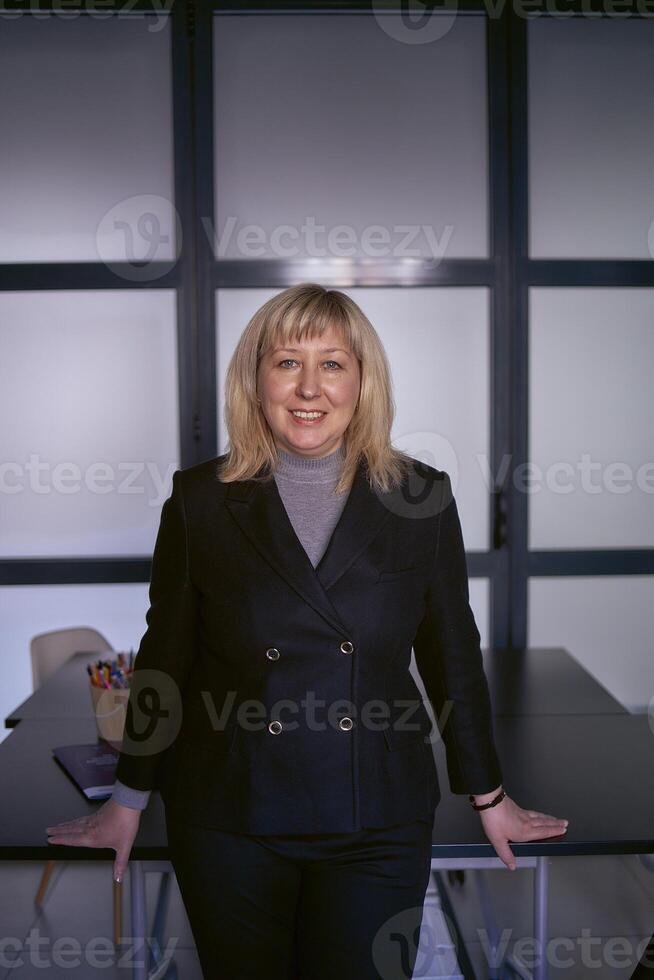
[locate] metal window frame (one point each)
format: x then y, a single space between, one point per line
493 272
508 273
96 275
526 563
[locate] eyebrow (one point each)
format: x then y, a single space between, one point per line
325 350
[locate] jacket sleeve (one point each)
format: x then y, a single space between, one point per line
166 652
448 657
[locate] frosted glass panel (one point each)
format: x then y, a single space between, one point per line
86 169
591 137
88 420
606 623
332 136
117 611
480 605
437 342
591 410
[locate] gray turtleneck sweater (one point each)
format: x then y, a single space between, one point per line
313 515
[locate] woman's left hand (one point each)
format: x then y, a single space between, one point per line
509 822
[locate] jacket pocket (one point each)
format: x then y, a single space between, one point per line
388 575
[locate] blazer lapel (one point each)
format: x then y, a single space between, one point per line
260 513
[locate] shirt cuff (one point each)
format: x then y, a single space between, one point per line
137 799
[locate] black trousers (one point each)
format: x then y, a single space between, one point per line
311 907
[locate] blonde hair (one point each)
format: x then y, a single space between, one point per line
306 311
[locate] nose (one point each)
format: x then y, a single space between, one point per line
308 383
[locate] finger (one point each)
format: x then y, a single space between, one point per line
85 835
120 864
70 831
505 854
68 825
73 840
554 822
548 822
123 853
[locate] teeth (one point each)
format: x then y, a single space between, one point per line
308 415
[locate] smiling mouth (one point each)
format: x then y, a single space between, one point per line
307 416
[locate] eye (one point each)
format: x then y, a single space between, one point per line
291 360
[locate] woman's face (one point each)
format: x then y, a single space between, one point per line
319 375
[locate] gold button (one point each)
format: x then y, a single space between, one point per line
272 653
347 647
345 724
275 727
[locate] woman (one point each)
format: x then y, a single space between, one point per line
272 702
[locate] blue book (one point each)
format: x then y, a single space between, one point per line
92 767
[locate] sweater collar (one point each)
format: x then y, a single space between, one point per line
306 468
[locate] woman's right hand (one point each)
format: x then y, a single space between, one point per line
111 825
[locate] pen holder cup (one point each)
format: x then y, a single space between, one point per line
110 710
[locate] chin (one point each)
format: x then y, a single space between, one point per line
307 440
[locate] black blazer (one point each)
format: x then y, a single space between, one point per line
327 731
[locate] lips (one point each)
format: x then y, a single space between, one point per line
299 420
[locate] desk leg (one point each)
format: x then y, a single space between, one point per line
492 932
137 893
541 896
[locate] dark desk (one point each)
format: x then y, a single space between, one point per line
65 694
544 681
597 771
37 793
562 764
566 746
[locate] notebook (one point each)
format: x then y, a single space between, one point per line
92 767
